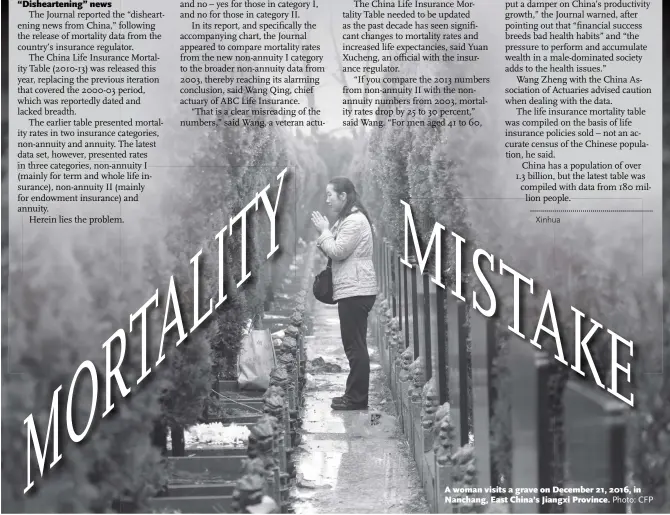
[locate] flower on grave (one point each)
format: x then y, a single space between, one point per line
274 406
257 466
395 325
261 436
296 318
464 474
290 345
418 377
264 466
381 306
418 373
279 377
287 361
399 339
443 444
407 357
274 390
229 435
398 356
388 332
410 377
277 428
249 491
442 411
292 331
431 403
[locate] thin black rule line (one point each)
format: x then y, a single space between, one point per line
591 210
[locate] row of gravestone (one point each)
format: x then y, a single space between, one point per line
444 387
256 479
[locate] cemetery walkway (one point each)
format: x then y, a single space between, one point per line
345 464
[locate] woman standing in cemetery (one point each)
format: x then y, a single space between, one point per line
348 243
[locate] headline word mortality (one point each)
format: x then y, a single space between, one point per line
548 307
171 303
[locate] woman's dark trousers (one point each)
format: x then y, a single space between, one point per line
353 313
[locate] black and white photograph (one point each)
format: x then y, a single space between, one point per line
318 256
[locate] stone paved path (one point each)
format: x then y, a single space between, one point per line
346 465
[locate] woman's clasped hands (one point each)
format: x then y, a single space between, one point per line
320 222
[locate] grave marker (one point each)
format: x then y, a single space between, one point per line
532 447
457 349
595 446
406 301
414 321
438 340
483 336
425 315
399 276
392 281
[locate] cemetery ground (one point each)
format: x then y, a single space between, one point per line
320 460
346 464
426 432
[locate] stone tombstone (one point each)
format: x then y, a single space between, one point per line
392 281
378 274
383 264
438 341
375 257
389 278
382 249
406 284
414 310
426 323
483 347
380 259
595 446
531 445
421 316
456 350
400 288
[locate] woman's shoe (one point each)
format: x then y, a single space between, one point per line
346 404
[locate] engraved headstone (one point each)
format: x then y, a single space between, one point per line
400 287
385 267
483 353
595 447
425 326
407 299
392 280
414 310
456 346
529 449
421 316
438 340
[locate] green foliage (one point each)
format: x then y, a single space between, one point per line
501 424
420 188
59 313
66 301
464 475
453 175
390 168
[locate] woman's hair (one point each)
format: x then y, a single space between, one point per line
344 185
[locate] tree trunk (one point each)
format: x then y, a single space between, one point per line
178 440
205 410
159 437
159 440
